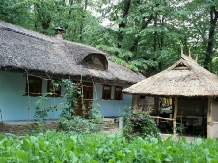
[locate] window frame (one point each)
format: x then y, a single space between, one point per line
121 94
49 87
106 91
93 57
34 85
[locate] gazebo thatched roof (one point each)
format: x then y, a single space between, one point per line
26 51
184 78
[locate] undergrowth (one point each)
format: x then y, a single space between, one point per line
61 147
68 119
139 124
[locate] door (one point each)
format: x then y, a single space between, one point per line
85 103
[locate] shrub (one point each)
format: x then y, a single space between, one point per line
139 125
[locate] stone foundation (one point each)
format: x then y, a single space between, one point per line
27 128
23 128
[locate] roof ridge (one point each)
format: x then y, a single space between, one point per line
188 58
24 33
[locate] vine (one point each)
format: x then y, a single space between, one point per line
68 119
42 112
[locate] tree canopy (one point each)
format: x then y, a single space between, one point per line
144 35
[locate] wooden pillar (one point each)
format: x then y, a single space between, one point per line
135 101
175 113
209 117
156 104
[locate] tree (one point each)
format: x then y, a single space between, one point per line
211 37
16 12
143 35
203 17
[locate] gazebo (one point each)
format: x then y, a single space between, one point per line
194 91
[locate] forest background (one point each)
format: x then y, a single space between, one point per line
143 35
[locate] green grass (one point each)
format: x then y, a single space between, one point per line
63 147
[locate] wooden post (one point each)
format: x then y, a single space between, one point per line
135 101
209 116
174 116
156 104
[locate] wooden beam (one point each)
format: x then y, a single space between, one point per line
175 114
170 119
135 101
156 104
209 117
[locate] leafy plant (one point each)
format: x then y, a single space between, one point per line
60 147
41 112
72 91
139 124
180 128
68 119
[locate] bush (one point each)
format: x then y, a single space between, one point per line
139 125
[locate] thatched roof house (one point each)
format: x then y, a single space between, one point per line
26 51
194 91
184 78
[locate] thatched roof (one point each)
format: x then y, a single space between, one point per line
26 51
184 78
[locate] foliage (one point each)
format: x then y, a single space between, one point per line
139 124
151 30
69 120
41 112
80 125
60 147
180 128
156 29
45 15
72 92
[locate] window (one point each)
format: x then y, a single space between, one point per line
118 93
33 86
106 93
142 96
54 87
95 61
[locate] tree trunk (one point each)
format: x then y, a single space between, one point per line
82 24
213 21
144 25
155 34
123 22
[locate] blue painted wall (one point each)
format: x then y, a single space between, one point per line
111 107
14 104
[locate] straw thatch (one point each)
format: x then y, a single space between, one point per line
184 78
26 51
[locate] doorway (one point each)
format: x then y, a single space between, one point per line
85 100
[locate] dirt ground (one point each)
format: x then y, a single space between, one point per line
25 127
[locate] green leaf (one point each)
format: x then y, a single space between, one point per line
183 140
26 145
198 141
129 156
120 155
73 157
22 156
154 140
3 160
57 160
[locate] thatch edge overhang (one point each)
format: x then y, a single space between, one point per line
50 75
26 51
195 81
